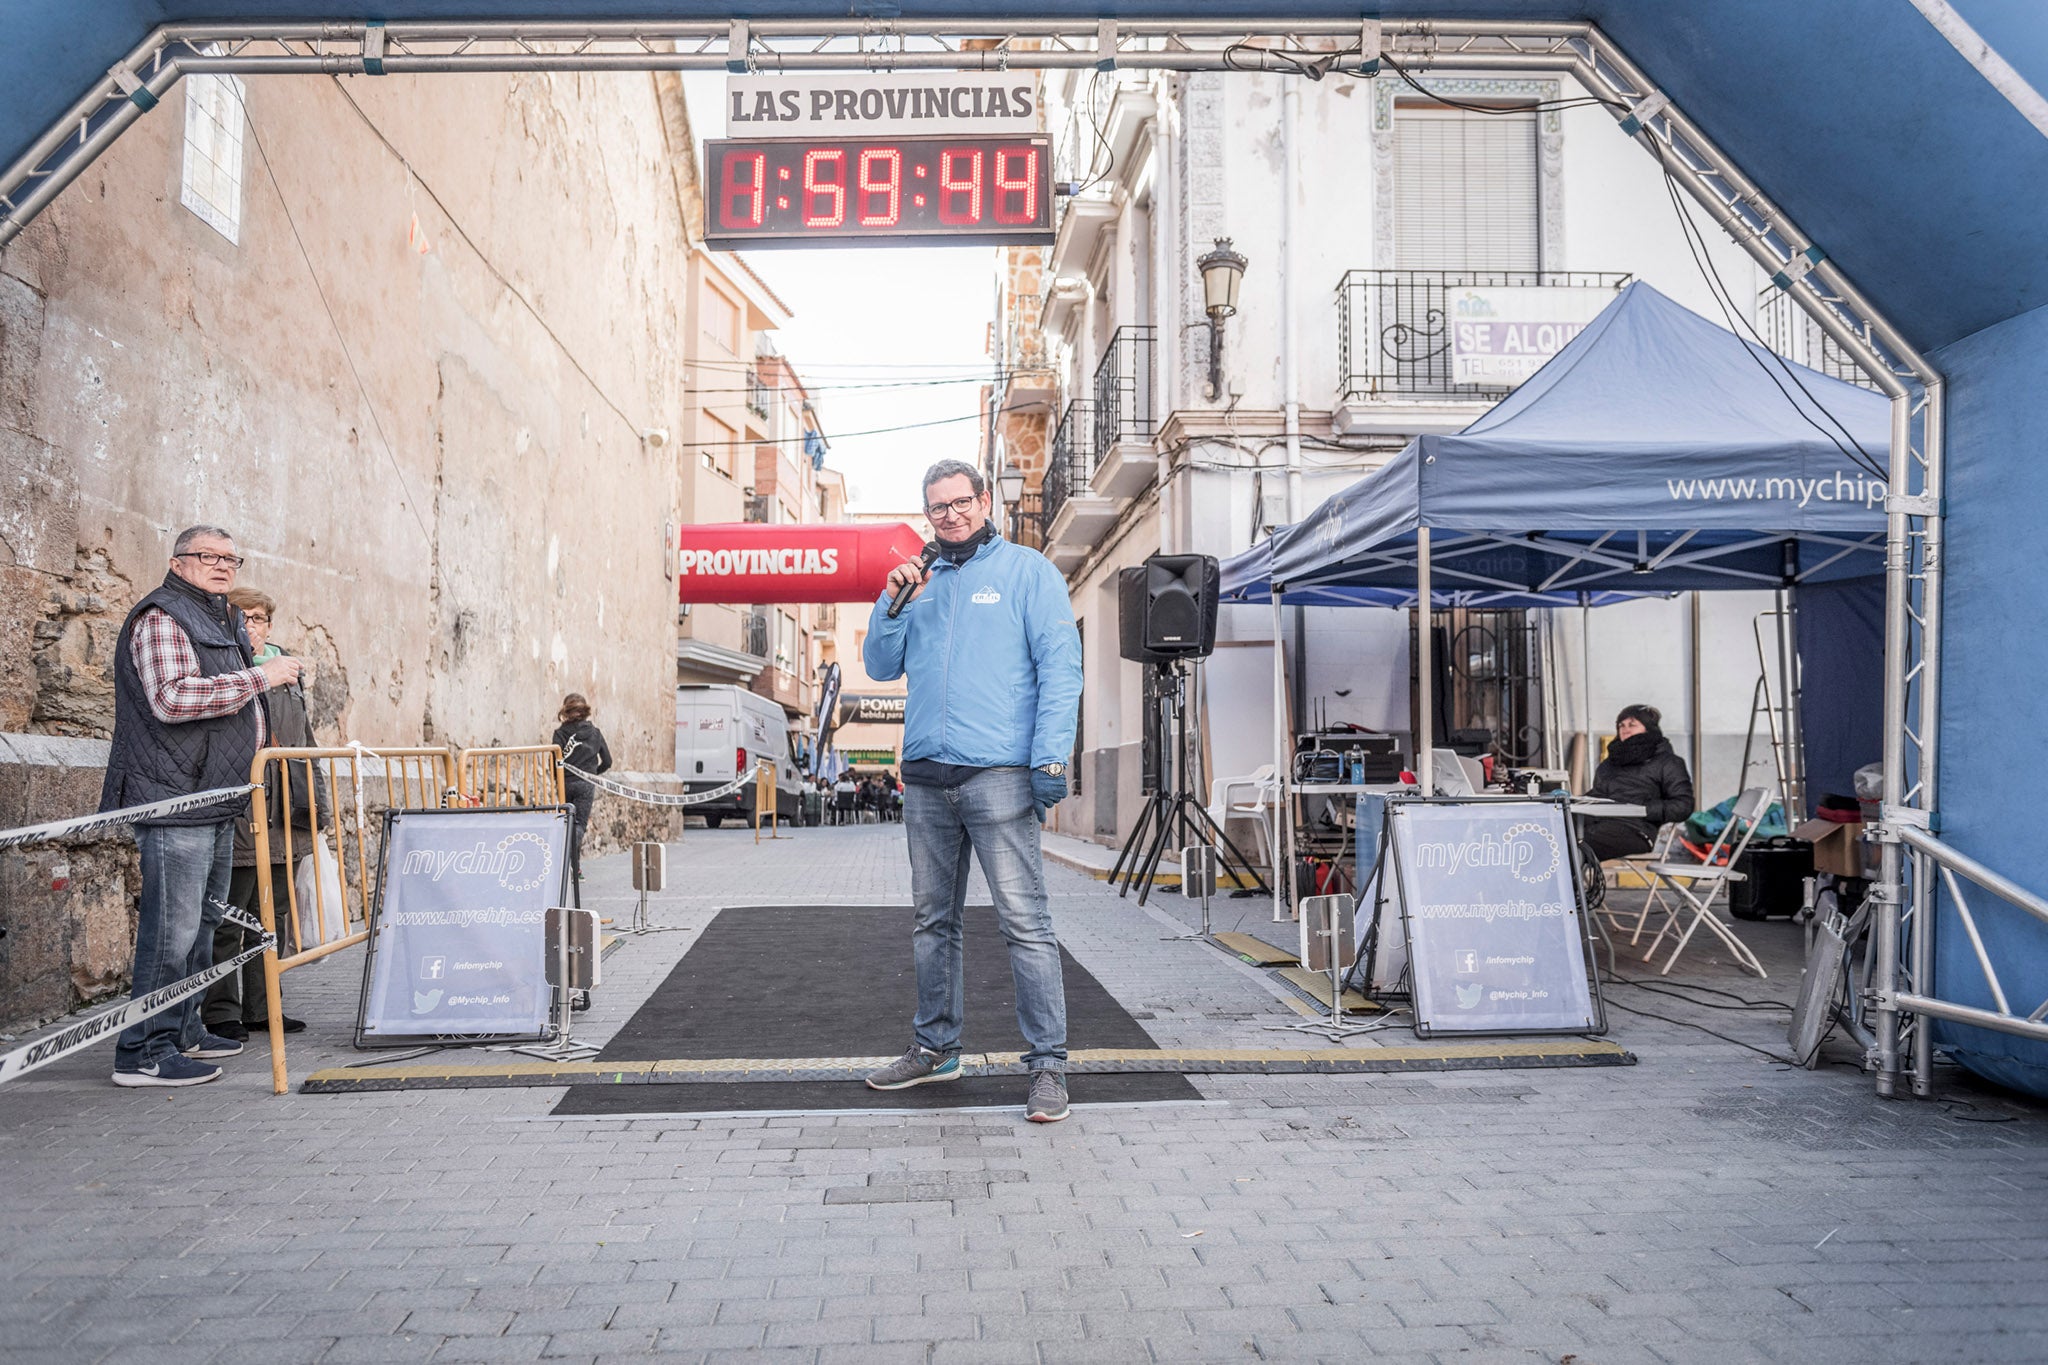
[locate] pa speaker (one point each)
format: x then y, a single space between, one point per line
1167 609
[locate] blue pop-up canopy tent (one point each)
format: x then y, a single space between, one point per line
1657 452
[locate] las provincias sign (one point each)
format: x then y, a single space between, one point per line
899 104
757 562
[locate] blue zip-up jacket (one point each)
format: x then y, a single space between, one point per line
993 657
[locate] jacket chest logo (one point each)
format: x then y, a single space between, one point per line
987 597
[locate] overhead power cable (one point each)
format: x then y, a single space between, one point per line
488 263
376 423
872 431
1696 246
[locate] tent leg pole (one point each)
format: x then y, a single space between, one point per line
1699 743
1283 804
1425 667
1586 754
1788 697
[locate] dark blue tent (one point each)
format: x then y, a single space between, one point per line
1657 452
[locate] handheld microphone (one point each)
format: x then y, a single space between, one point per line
924 563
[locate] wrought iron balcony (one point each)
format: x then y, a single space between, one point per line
759 395
755 633
1027 521
1394 331
1124 409
1072 459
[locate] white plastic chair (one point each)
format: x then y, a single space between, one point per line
1686 881
1226 804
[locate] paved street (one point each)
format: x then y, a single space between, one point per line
1708 1204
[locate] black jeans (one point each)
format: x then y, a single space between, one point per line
581 799
242 998
1611 838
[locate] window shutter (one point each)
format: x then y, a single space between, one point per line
1465 190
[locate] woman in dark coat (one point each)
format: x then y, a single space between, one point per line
1641 770
582 745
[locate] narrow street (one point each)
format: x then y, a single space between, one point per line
1705 1204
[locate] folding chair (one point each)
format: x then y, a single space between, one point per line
1714 875
1659 852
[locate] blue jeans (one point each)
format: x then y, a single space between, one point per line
185 872
990 815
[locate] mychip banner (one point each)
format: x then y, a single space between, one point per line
457 937
1489 902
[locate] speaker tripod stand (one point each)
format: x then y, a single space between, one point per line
1171 811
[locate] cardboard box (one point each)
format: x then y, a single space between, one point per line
1837 849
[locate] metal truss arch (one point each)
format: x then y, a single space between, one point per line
1906 892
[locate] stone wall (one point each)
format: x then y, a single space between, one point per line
414 385
67 907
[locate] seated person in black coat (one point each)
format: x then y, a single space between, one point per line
1641 770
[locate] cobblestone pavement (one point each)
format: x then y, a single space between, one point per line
1708 1204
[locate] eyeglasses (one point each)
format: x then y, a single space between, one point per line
958 507
209 559
256 618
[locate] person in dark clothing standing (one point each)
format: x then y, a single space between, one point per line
237 1004
582 745
189 716
1640 769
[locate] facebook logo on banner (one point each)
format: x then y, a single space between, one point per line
433 968
1468 961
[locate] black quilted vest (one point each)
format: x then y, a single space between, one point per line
152 761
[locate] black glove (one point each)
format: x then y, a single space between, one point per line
1047 791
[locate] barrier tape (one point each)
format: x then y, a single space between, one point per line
658 798
58 829
235 915
109 1022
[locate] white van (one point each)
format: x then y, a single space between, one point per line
722 731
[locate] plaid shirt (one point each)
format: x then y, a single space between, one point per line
172 681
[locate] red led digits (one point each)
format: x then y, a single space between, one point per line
1024 186
816 190
953 188
878 191
888 189
742 205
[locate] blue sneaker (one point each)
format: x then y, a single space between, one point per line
171 1070
213 1045
915 1067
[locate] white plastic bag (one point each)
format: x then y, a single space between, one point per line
322 912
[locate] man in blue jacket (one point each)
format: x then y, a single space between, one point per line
988 642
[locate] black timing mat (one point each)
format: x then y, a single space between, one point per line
795 981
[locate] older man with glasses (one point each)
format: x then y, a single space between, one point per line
988 642
189 716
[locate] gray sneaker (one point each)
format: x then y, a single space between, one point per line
915 1067
1048 1102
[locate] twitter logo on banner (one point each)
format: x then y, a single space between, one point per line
423 1001
1468 995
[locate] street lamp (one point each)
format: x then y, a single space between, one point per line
1011 482
1222 271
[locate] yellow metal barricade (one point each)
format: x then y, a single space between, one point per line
326 797
530 775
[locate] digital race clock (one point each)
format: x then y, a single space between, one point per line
877 191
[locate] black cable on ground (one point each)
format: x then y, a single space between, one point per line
1671 988
1715 1033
